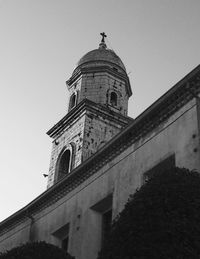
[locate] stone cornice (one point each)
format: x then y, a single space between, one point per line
97 69
158 112
100 62
87 105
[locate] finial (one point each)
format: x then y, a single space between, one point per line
102 45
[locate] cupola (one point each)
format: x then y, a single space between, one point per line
101 77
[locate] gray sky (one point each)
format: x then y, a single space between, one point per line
40 43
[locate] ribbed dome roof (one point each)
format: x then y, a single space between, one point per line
101 54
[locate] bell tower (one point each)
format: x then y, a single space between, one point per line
99 90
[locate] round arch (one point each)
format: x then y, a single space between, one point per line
65 161
73 100
114 98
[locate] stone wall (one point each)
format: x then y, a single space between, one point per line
98 131
73 133
97 88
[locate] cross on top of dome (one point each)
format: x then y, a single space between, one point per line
102 45
103 36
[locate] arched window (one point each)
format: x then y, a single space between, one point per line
72 101
113 99
65 162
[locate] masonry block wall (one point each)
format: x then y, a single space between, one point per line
72 133
88 133
98 130
97 87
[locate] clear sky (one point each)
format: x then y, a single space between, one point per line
40 43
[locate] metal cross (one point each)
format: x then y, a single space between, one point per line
103 36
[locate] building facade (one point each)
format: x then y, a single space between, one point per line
100 156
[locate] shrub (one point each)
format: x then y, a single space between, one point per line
36 250
161 220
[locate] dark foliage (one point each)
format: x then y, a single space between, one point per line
36 250
161 220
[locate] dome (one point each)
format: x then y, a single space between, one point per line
101 55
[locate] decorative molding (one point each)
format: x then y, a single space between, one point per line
84 106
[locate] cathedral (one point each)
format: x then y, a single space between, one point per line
100 155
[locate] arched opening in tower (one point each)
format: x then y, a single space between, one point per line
64 164
113 99
72 101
